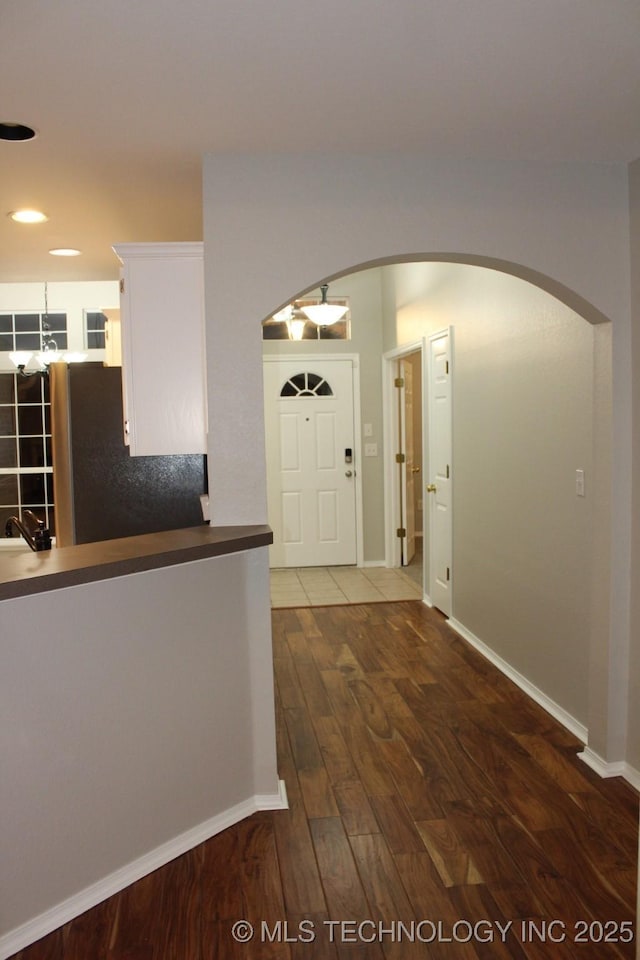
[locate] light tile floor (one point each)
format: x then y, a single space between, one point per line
324 586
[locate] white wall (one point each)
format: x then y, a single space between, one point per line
136 715
523 395
565 225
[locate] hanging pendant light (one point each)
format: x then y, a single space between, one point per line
48 352
324 314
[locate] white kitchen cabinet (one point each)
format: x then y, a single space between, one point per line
163 350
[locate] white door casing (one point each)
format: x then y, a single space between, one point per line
309 426
439 486
407 448
392 402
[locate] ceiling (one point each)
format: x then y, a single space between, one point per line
127 97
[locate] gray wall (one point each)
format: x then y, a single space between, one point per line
634 669
522 424
634 659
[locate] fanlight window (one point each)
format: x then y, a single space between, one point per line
306 385
291 323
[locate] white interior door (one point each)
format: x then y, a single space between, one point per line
309 426
440 473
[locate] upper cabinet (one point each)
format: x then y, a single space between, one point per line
163 349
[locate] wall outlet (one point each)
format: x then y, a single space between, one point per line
371 449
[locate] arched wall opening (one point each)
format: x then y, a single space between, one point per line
532 404
554 287
275 225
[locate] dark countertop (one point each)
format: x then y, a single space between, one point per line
25 573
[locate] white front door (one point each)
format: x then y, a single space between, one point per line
440 473
309 428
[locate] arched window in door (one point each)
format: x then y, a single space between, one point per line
306 385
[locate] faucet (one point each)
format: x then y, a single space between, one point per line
33 530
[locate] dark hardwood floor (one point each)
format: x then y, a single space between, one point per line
425 790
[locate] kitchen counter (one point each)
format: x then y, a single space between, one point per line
25 573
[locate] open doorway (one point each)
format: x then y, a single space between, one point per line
409 462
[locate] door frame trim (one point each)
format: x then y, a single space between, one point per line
357 427
391 433
448 333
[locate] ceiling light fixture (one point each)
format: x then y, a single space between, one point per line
16 132
296 326
28 216
49 352
324 313
284 315
65 252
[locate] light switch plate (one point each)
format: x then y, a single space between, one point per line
367 429
580 483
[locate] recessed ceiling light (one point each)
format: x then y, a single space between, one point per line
65 252
28 216
16 131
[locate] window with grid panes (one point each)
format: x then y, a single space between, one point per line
273 329
94 321
23 331
26 468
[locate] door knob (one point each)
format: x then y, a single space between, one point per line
431 488
348 473
415 469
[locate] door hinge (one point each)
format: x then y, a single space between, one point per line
398 382
122 286
401 532
448 474
448 574
446 367
400 458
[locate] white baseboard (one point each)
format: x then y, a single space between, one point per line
271 801
556 711
602 767
374 563
606 769
51 919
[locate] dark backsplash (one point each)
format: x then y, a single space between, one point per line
114 494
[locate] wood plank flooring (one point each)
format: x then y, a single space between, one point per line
425 789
